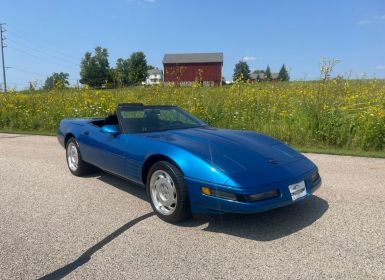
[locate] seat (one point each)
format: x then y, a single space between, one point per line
151 120
111 119
134 125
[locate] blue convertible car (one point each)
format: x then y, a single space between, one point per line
187 166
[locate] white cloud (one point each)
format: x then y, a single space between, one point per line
380 67
373 19
249 58
364 22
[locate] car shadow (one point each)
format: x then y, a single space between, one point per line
121 184
87 255
265 226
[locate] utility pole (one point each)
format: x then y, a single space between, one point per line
2 54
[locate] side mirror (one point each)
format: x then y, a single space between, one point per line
110 128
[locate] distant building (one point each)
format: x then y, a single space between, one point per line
185 69
154 77
254 77
257 76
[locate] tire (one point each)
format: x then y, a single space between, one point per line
75 163
167 192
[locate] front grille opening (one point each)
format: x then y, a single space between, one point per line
258 196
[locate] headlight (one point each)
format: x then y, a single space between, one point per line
240 197
314 178
217 193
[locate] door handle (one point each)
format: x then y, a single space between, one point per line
86 132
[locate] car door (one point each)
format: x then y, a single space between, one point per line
104 150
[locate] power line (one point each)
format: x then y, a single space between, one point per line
28 71
51 60
61 64
2 55
38 50
19 78
47 47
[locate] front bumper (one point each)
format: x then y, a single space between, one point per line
205 204
60 138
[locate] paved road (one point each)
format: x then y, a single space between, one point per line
54 224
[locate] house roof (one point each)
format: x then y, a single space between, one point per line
192 57
254 76
154 71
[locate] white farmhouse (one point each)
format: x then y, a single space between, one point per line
154 77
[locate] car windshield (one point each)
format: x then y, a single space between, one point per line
138 119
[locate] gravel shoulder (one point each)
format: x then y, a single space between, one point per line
56 225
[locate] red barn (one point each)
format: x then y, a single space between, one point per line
187 68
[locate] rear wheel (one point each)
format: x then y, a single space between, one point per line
75 163
167 192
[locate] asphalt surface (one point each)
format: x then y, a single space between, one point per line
54 225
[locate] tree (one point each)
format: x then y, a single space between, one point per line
241 71
56 81
121 72
31 86
95 69
283 75
130 71
137 68
268 73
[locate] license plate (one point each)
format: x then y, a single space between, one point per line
297 190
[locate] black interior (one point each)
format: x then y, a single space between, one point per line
134 125
149 122
111 119
138 123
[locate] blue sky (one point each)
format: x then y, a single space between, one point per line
52 36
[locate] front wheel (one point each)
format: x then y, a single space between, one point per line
75 163
168 193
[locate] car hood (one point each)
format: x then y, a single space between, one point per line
240 153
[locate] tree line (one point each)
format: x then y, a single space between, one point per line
242 72
95 71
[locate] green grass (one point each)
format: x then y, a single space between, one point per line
339 117
45 133
315 150
341 152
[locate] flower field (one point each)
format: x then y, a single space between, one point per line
336 113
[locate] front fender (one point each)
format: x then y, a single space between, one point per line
191 165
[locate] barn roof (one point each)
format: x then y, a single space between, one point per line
192 57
